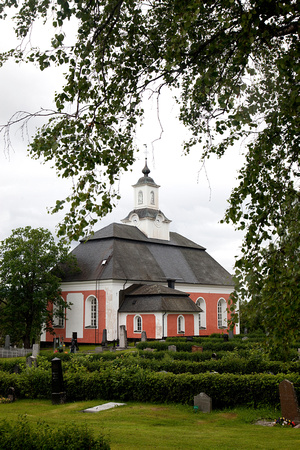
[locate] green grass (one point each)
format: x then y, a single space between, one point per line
151 426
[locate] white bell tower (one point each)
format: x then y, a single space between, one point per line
146 214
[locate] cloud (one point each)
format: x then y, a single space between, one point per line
192 196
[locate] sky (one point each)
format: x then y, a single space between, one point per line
194 198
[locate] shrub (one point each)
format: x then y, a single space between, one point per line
9 364
22 435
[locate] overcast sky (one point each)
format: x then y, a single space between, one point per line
194 199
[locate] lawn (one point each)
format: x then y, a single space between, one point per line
161 426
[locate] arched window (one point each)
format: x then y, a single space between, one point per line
202 315
222 313
137 324
152 202
91 308
93 312
140 198
180 324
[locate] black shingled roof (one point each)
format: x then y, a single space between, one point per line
123 252
154 298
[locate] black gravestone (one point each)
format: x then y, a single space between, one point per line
104 338
58 392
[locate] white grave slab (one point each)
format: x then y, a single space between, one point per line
103 407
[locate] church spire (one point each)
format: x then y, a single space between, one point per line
146 169
146 214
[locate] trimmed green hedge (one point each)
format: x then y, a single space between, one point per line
225 365
215 345
136 384
22 435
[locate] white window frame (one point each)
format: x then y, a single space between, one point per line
152 198
138 324
202 315
180 324
58 322
222 313
140 197
91 312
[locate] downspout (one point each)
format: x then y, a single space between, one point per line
163 324
118 316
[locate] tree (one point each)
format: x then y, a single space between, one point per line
30 283
233 68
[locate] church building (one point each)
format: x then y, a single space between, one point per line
140 274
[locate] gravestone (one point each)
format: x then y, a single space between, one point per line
55 343
288 401
11 395
35 350
7 342
58 391
74 336
98 349
104 338
123 337
143 336
31 361
203 402
103 407
197 348
172 348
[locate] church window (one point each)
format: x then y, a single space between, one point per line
58 316
91 307
180 324
202 315
138 324
222 313
152 198
140 198
93 312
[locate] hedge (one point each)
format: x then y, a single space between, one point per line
22 435
136 384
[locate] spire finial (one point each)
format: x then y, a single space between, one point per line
146 169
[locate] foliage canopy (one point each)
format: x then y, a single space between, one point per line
29 282
234 65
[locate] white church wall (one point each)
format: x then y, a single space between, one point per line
205 289
159 317
74 322
196 324
112 289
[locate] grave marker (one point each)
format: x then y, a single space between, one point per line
197 348
143 336
123 337
11 395
104 338
172 348
31 361
7 342
203 402
288 401
58 392
35 350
